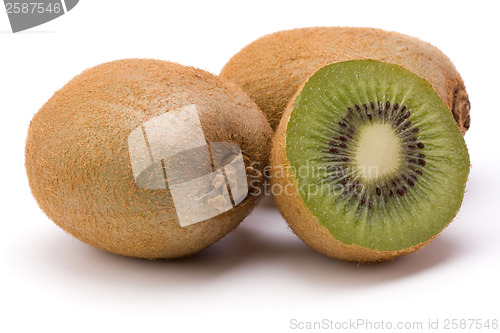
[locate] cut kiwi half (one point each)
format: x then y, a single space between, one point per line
377 166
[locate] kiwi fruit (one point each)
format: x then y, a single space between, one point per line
78 158
367 162
273 67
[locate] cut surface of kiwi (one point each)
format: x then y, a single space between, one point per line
376 155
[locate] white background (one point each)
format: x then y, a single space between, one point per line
261 276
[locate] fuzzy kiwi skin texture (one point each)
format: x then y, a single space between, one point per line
78 164
272 68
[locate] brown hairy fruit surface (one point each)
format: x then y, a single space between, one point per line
272 68
78 163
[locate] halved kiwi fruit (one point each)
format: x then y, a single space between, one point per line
273 67
367 162
80 161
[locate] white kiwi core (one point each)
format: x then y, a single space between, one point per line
378 151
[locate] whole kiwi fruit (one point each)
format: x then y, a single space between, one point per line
272 68
79 163
367 162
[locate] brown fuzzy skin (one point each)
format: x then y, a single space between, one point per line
78 163
272 68
301 220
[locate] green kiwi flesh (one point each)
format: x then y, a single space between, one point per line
376 154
